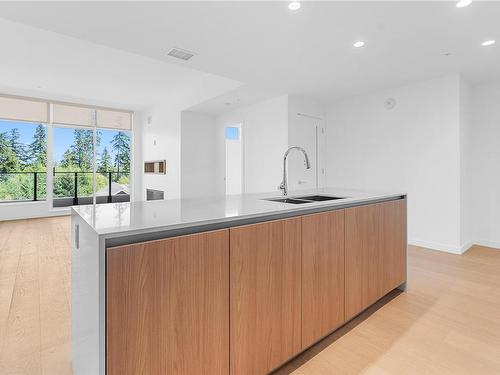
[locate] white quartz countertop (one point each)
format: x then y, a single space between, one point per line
121 219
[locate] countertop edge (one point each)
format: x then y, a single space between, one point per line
124 237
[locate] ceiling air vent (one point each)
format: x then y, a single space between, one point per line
180 54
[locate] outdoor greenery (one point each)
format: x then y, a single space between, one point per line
16 156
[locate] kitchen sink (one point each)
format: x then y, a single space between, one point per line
288 200
304 199
319 198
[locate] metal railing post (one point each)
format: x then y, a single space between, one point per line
35 183
109 188
75 197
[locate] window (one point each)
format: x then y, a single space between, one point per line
73 160
23 161
232 132
74 129
73 166
113 165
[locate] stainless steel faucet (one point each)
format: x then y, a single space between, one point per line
284 184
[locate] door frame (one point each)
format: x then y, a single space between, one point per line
239 125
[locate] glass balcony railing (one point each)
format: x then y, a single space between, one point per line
69 188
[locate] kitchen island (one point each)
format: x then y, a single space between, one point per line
226 285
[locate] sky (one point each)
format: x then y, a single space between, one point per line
63 137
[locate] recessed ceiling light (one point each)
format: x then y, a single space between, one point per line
358 44
294 5
463 3
488 43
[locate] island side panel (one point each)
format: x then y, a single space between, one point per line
87 296
168 306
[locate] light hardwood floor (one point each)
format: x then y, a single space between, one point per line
448 322
35 295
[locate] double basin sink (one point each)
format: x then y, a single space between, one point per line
304 199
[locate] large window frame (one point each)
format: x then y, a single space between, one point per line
36 174
115 119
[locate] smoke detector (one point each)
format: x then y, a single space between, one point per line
180 53
390 103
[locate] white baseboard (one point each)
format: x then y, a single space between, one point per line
467 246
488 243
451 248
436 246
29 210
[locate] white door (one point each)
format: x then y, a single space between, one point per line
234 160
308 133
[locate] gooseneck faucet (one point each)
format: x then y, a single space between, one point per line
284 184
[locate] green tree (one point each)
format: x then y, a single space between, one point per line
37 150
121 147
82 149
68 159
8 159
81 152
18 147
105 163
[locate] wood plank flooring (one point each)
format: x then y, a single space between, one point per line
35 295
448 322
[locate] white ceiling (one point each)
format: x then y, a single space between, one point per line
242 96
44 64
308 52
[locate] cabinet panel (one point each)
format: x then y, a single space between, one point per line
265 268
362 257
375 253
168 306
394 244
322 275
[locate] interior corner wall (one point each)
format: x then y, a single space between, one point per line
413 148
198 151
485 168
467 222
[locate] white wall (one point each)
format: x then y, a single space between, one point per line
485 171
265 139
304 114
26 210
413 148
161 141
197 155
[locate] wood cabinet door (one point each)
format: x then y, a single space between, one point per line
322 275
265 310
375 253
393 244
167 306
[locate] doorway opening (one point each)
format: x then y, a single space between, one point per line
234 159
